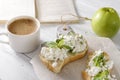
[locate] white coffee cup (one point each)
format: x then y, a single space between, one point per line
23 43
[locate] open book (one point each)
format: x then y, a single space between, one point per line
46 11
13 8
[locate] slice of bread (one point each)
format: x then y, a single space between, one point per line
61 64
86 75
71 47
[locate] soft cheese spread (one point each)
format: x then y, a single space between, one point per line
99 66
93 71
54 53
65 44
75 41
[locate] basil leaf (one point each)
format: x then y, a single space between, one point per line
71 33
99 60
51 44
58 40
61 43
67 47
103 75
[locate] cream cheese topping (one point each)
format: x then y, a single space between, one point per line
111 78
97 53
109 64
94 70
76 42
54 53
54 64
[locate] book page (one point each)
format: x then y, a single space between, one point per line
52 10
12 8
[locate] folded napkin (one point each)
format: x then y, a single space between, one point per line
73 70
52 10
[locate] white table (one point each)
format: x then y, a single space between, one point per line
14 66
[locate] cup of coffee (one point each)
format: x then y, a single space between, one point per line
23 33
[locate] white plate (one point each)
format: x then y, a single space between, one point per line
72 71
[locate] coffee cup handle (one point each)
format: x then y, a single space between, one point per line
5 42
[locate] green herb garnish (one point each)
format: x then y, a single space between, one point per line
99 60
103 75
51 44
59 43
71 33
81 42
59 40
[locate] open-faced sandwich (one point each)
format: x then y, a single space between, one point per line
65 49
99 67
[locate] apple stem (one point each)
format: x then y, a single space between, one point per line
79 17
85 18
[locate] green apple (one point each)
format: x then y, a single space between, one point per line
106 22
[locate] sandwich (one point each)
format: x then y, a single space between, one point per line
65 49
99 67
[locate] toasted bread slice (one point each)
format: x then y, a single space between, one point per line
90 55
71 47
85 74
67 60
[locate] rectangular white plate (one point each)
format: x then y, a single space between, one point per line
72 71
